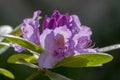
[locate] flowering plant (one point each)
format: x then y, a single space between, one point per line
63 41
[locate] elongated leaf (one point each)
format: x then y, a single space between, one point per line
23 59
22 42
2 44
16 57
6 73
16 32
4 30
86 60
56 76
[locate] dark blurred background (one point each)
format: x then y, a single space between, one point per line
103 16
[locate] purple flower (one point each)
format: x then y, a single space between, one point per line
55 43
17 47
30 28
56 20
30 31
63 36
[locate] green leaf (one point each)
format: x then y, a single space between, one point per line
56 76
86 60
23 59
6 73
24 43
16 57
16 32
2 44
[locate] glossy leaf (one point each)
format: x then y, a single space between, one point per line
4 30
24 43
15 58
23 59
6 73
86 60
2 44
16 32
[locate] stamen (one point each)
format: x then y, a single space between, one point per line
91 44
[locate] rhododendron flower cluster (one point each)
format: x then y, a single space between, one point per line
62 36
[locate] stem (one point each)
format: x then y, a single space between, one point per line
33 75
56 76
110 48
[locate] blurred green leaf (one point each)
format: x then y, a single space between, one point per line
24 43
25 59
6 73
86 60
16 57
24 62
15 32
2 44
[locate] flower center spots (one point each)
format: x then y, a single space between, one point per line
60 47
60 53
60 41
